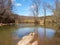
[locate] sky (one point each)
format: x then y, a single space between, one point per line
23 7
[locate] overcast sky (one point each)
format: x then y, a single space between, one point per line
22 7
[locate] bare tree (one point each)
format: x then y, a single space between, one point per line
1 10
35 9
44 8
57 11
5 11
1 6
5 5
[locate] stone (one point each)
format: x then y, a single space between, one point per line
27 40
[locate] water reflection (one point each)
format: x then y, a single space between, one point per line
10 35
49 32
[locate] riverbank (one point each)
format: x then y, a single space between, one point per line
47 25
2 24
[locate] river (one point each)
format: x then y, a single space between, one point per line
10 35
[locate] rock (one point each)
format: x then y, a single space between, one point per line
28 40
35 43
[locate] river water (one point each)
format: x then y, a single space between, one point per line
10 35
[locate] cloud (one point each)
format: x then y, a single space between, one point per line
18 4
33 6
13 0
15 3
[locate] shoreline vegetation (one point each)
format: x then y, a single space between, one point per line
16 19
8 18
